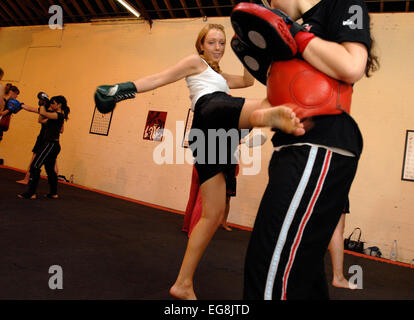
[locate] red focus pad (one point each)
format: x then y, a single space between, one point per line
5 122
263 30
312 92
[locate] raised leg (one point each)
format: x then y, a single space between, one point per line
259 113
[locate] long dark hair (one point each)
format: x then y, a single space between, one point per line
373 63
14 89
62 101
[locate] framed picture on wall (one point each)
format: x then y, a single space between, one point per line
155 125
100 123
408 162
188 124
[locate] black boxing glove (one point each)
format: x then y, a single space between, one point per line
43 98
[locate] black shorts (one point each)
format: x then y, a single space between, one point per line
231 182
214 153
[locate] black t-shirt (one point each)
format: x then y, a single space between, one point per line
337 21
340 21
53 127
41 134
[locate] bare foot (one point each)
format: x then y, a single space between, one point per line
23 181
27 196
226 227
183 292
280 117
343 283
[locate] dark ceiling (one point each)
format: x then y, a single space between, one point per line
35 12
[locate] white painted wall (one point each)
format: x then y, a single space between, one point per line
74 61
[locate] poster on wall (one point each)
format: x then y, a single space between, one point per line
100 123
408 163
188 124
155 125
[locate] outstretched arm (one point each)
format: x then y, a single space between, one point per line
236 82
186 67
42 118
29 108
106 96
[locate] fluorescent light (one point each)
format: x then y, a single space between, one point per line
130 8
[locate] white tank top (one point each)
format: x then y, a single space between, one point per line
206 82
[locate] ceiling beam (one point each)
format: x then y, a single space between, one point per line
157 9
170 9
39 16
65 8
79 10
184 5
217 8
18 12
89 6
32 19
114 7
51 3
101 6
10 14
42 5
5 18
143 11
203 13
31 12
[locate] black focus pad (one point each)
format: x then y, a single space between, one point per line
255 62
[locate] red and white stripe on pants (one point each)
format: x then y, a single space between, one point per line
307 190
